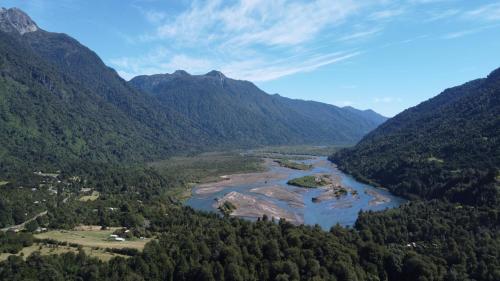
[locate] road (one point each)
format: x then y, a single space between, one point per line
21 226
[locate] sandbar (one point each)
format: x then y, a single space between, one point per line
378 198
241 179
255 207
292 197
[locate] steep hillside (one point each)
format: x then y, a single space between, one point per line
238 111
61 104
447 147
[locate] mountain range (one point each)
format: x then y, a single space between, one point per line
239 111
60 104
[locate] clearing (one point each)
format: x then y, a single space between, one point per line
92 238
92 197
48 249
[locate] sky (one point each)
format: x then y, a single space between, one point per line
385 55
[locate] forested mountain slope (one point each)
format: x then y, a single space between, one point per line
238 111
61 105
446 147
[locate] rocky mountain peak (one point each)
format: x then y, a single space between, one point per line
219 76
15 20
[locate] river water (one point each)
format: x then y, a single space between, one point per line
343 210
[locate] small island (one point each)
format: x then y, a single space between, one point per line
311 181
293 165
227 208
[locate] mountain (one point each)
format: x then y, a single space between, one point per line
446 147
236 111
62 107
61 104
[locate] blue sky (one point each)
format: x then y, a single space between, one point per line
386 55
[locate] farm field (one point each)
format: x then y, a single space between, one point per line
47 249
92 238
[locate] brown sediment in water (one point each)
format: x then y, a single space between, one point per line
254 207
293 197
340 205
241 179
378 198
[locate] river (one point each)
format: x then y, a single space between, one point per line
268 193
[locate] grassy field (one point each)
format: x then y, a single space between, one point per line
91 238
45 249
309 181
293 165
92 197
206 167
326 150
3 182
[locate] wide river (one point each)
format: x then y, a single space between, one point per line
268 193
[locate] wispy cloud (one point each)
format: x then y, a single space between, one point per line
442 14
465 32
280 37
387 100
257 21
387 14
360 34
263 40
490 12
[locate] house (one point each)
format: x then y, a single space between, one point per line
41 229
114 237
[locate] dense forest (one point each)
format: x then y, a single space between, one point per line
419 241
447 147
238 110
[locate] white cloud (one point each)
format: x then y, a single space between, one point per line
465 32
262 40
256 40
490 12
360 34
266 22
261 71
386 14
442 14
387 100
461 33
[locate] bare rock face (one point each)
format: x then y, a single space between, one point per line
15 20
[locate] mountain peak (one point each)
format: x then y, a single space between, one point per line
15 20
495 74
181 73
215 73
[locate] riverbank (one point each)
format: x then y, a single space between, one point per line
226 181
252 195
